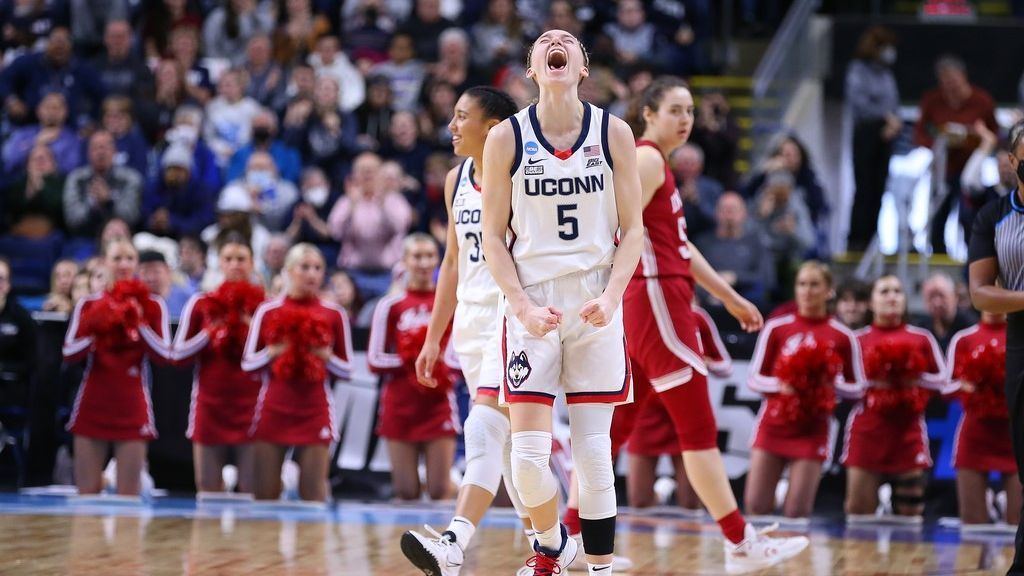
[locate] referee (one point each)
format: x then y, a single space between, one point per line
996 269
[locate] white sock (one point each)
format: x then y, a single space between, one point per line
599 569
531 536
551 538
463 530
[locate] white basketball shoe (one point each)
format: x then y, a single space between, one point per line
437 555
758 551
544 565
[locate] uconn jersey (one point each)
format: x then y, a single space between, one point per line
476 285
564 218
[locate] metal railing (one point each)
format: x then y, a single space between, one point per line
789 60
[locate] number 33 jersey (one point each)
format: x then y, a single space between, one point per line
476 285
564 218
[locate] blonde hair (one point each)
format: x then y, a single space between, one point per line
819 267
116 241
417 238
295 254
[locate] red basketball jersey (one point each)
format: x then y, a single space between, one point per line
665 251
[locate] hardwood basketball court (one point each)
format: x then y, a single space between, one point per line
46 535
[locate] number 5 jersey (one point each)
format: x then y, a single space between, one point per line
564 218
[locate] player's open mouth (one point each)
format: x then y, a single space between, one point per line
557 59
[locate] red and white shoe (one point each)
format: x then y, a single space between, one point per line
758 551
544 565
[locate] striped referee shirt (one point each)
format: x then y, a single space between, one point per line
998 232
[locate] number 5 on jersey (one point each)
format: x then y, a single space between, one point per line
565 218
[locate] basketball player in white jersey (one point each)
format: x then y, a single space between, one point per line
550 191
466 290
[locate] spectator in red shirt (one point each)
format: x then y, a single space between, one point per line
950 110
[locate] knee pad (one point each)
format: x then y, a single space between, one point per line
485 432
531 469
589 425
510 486
592 457
908 492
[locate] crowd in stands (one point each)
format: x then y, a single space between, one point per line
177 122
327 122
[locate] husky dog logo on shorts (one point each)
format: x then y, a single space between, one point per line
518 369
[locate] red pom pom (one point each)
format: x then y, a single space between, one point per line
114 321
985 368
303 330
811 370
229 310
899 364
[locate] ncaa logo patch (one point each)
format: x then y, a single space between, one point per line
518 369
531 148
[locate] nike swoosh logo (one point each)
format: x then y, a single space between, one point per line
534 160
602 568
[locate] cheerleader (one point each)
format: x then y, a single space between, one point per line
983 435
415 420
886 439
801 362
297 341
211 335
117 332
653 434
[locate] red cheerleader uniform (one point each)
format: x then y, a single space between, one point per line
653 433
408 411
806 439
876 440
296 412
113 401
223 395
982 441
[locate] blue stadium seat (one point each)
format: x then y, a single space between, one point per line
31 261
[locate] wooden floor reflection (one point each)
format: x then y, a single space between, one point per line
152 544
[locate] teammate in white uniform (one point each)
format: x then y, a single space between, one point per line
466 289
550 181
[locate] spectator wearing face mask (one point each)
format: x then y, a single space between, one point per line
309 216
186 131
264 139
177 201
272 196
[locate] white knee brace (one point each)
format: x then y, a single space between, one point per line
592 457
485 433
510 487
531 470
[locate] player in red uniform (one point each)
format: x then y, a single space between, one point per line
223 395
802 441
293 410
654 434
664 347
982 440
113 405
414 419
886 444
